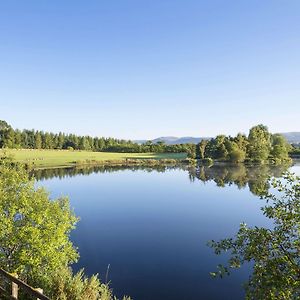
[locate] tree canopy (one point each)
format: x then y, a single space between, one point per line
35 139
260 146
34 232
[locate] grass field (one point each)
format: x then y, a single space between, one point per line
59 158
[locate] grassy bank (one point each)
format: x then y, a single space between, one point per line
59 158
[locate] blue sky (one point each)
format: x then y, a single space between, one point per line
141 69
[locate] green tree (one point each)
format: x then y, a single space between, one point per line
259 143
241 141
9 138
47 141
4 125
38 140
191 150
235 153
216 148
4 128
34 239
34 231
201 149
280 148
24 139
18 139
274 251
84 143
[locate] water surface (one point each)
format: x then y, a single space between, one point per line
151 225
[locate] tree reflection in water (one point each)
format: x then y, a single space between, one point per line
255 176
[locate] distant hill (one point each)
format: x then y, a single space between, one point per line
171 140
292 137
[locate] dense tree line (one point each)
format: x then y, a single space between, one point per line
259 146
34 139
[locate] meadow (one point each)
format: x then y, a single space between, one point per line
58 158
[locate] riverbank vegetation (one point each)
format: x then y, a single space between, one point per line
273 251
260 146
34 239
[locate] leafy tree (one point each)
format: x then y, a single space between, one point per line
24 139
201 149
259 143
61 140
33 230
191 150
241 141
235 153
34 239
47 141
4 128
280 148
4 125
18 139
9 138
216 148
275 251
84 143
38 140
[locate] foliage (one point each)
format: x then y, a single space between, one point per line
260 146
34 238
65 285
32 139
34 232
200 149
280 147
276 251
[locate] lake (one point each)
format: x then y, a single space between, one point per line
147 228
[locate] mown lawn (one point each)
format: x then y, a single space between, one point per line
58 158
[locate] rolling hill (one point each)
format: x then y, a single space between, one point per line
292 137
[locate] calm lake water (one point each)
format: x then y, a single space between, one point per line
151 226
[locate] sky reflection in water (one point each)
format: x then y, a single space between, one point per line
152 225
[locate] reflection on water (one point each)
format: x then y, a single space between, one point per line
255 177
41 174
151 225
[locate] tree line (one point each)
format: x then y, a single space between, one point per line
259 146
35 139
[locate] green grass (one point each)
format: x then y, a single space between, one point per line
59 158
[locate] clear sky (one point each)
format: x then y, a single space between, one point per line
147 68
